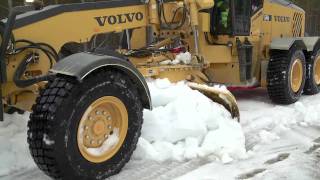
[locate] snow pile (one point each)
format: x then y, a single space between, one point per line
14 152
282 141
185 124
309 115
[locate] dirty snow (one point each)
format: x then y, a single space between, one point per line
281 142
47 141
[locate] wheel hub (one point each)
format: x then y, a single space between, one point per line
316 70
100 120
99 128
296 75
95 129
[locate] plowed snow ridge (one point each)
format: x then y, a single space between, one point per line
282 142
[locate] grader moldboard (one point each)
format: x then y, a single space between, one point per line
81 68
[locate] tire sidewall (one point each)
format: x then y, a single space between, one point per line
293 55
74 164
311 84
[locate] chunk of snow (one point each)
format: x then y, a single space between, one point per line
182 58
47 140
192 148
108 144
145 150
166 62
267 137
226 159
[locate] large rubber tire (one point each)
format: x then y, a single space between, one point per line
311 86
278 76
53 125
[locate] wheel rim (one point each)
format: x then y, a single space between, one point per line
296 75
102 129
316 70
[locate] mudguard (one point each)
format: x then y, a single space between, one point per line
311 42
305 43
80 65
287 43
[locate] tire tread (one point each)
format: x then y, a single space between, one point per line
43 116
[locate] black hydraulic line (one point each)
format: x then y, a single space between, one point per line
50 48
48 53
22 83
166 24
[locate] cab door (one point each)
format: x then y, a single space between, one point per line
241 17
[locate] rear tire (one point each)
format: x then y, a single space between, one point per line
313 73
55 121
283 87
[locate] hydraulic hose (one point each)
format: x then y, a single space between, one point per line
22 83
170 25
47 49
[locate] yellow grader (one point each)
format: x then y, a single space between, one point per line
81 68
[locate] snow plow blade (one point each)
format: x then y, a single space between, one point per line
220 96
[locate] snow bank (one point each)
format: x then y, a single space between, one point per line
185 124
267 124
14 152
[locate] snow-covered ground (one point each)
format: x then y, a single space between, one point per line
187 137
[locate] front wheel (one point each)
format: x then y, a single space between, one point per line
286 76
85 130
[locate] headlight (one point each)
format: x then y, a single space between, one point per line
29 1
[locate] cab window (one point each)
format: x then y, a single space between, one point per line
231 17
221 17
241 17
256 5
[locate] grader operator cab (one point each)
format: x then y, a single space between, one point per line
81 68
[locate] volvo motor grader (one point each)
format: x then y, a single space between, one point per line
81 68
